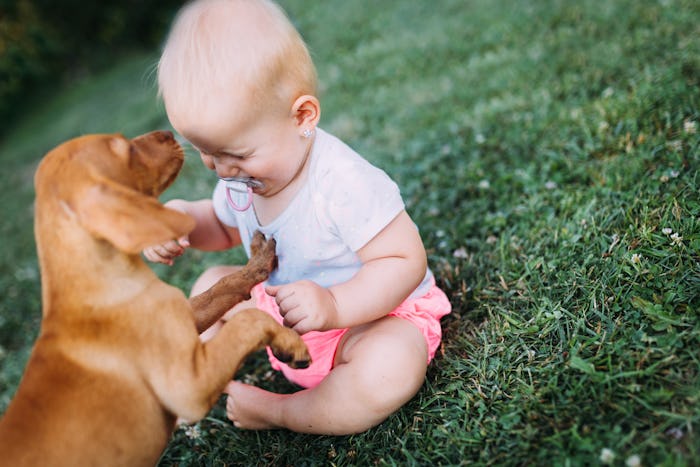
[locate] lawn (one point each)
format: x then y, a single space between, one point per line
548 150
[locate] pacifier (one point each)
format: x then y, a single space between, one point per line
241 185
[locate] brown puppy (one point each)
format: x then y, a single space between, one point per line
118 358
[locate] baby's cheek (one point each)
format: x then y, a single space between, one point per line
208 161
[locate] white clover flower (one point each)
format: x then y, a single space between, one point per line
636 258
676 239
250 379
608 92
689 126
607 456
193 432
675 145
668 175
633 461
667 231
484 184
460 253
479 138
550 185
675 433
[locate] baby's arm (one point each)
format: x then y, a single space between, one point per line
394 263
209 233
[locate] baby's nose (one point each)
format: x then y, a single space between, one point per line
228 171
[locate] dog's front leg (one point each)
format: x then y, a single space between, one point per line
212 304
216 361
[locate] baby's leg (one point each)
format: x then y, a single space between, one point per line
208 278
379 367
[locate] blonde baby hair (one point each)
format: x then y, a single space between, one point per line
237 49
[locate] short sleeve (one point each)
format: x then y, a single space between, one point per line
361 202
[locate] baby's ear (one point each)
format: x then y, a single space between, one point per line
306 111
129 220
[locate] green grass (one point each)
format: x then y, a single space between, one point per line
548 150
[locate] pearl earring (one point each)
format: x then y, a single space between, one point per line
307 133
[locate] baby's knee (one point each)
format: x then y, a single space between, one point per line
389 381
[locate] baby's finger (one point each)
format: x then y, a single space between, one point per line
184 242
154 257
284 294
292 318
148 254
287 303
172 248
302 326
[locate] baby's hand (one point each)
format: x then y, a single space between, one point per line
305 305
167 252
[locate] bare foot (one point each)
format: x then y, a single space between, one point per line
250 407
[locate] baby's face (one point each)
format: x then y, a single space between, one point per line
268 148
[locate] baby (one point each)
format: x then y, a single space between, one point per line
239 84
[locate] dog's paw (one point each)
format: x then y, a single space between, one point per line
288 348
258 242
263 259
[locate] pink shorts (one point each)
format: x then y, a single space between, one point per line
424 312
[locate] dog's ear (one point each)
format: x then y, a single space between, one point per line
128 219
